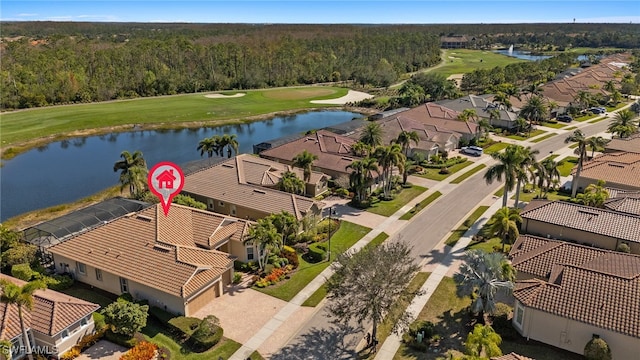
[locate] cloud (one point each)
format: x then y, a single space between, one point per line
27 15
97 18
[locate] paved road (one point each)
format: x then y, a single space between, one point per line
319 338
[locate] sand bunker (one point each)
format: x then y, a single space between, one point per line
222 96
352 96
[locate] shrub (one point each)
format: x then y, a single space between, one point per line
426 331
98 320
70 354
22 272
315 254
290 254
237 277
444 171
207 334
143 350
597 349
342 192
184 326
125 297
501 322
624 248
58 282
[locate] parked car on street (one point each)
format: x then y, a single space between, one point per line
471 150
564 118
598 110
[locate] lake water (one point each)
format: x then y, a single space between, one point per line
66 171
524 55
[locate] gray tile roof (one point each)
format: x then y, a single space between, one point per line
589 219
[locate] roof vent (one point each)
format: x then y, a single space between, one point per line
228 166
144 218
259 191
617 165
161 247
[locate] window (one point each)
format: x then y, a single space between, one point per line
233 209
84 322
221 203
65 333
519 314
81 268
98 274
250 253
210 203
124 285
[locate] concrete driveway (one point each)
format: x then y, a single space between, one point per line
104 350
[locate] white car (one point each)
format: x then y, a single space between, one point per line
472 150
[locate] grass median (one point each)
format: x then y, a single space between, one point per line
468 174
434 174
388 208
466 225
421 205
542 138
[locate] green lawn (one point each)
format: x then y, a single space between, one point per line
551 195
569 163
457 233
542 138
573 146
461 61
487 246
469 173
598 119
95 296
388 208
453 322
347 235
399 308
534 133
434 174
494 148
571 128
421 205
551 157
500 192
169 111
585 117
555 126
319 294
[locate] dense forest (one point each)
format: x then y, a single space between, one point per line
45 63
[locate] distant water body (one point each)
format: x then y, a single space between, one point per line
524 55
66 171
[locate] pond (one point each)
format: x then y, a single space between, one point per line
66 171
524 55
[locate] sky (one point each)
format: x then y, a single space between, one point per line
325 12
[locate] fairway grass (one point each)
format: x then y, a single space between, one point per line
191 110
461 61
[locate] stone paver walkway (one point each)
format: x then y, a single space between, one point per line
103 350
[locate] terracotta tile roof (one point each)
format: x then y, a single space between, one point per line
627 205
442 117
631 144
538 256
226 182
512 356
333 150
589 219
620 193
135 246
52 312
263 172
621 168
593 297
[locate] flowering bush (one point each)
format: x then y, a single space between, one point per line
142 351
277 274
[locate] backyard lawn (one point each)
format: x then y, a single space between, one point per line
347 235
434 174
388 208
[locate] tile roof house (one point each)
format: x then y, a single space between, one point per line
620 170
179 262
602 228
333 152
56 323
442 118
242 187
627 205
630 144
483 104
571 293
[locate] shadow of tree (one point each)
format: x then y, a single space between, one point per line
335 342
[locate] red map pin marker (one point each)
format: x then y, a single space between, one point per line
165 181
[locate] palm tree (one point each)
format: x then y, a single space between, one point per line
502 99
595 194
231 143
484 127
610 86
208 146
494 114
22 297
372 135
533 89
361 149
266 236
578 137
624 124
521 124
360 179
481 276
535 110
291 183
504 224
305 160
525 168
583 98
388 157
483 342
133 171
595 143
509 162
405 138
548 171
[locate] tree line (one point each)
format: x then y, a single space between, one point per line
69 69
